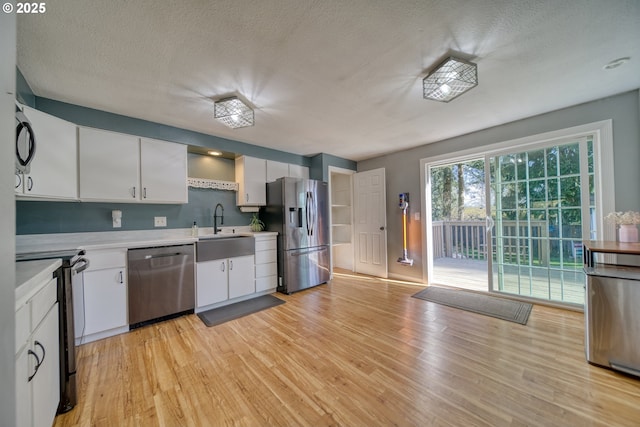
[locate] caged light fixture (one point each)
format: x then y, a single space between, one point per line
450 79
233 112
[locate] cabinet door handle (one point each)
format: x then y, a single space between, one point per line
144 193
44 353
29 183
19 176
222 266
38 363
230 264
134 192
121 277
246 196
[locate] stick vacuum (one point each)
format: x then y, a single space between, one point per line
404 205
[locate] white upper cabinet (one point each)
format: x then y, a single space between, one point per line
109 166
163 171
53 170
251 176
124 168
297 171
276 170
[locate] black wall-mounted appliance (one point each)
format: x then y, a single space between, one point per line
25 143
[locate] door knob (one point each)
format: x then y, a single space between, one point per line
381 228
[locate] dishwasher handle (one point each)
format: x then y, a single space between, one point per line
163 255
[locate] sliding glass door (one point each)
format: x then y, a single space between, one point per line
513 221
542 203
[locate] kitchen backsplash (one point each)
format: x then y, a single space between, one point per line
44 217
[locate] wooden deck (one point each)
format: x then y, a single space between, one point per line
472 274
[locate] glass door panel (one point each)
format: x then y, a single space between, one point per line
459 245
538 207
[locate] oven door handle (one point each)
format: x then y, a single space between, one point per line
80 265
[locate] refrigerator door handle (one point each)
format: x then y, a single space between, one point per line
312 211
307 207
309 251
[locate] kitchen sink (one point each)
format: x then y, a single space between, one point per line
226 246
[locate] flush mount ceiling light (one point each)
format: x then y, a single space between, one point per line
450 79
233 112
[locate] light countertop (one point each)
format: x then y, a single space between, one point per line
31 276
122 239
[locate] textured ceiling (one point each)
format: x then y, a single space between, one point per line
340 77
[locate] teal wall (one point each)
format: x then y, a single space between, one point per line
42 217
320 163
24 94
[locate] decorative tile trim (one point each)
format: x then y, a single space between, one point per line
212 184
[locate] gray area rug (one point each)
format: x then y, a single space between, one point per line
501 308
236 310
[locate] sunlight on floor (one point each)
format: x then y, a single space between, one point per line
346 273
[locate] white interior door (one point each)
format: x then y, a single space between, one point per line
370 223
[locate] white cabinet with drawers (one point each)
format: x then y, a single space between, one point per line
266 262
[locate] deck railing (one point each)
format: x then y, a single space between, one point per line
467 239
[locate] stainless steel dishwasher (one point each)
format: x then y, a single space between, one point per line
161 283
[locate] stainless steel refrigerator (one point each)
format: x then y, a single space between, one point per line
298 210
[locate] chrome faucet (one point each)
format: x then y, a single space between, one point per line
215 218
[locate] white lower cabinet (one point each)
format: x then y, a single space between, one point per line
212 286
105 300
266 263
241 278
100 304
38 359
46 382
224 279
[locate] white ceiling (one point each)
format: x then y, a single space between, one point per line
339 77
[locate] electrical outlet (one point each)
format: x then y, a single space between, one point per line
160 221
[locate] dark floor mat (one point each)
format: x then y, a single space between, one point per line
502 308
236 310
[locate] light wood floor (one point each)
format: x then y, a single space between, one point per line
355 352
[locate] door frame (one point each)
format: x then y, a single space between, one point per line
426 213
342 171
602 132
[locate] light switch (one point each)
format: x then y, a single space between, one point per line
416 216
117 218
